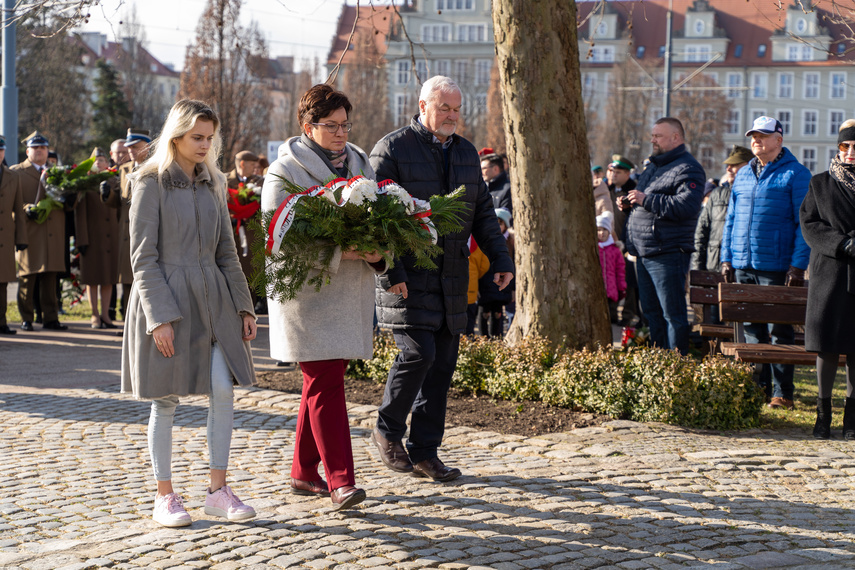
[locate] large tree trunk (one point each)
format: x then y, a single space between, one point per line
560 291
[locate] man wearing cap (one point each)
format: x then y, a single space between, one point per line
620 184
661 232
13 230
244 173
494 174
707 256
762 243
119 196
43 259
118 153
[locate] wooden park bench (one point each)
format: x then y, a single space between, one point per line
740 303
703 290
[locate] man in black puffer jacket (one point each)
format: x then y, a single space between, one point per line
426 309
661 232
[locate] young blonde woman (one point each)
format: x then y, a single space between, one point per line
190 315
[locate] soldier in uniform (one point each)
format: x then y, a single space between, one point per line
117 193
246 164
43 259
13 230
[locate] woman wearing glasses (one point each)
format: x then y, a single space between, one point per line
323 329
828 225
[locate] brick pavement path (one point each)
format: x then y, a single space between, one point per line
77 493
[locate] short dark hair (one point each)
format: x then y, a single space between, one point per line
321 101
674 122
494 160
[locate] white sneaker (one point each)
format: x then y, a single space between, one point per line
169 511
224 503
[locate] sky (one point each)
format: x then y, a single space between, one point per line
299 28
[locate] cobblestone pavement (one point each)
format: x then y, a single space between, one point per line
78 491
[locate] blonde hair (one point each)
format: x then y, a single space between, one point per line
180 121
846 124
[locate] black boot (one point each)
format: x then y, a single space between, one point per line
822 428
849 420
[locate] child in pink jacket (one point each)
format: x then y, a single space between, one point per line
611 260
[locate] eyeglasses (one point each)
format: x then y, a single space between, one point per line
334 127
844 147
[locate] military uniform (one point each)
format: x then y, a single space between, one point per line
13 232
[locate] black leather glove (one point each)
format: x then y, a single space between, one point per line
795 277
30 212
82 249
849 247
20 246
728 273
105 189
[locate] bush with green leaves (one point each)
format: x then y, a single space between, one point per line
641 384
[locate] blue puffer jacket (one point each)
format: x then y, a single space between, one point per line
673 184
762 230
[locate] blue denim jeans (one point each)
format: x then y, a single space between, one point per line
662 288
776 379
220 421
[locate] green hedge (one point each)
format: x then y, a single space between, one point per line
641 384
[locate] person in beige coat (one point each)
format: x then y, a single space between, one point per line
323 329
44 257
13 231
190 316
96 230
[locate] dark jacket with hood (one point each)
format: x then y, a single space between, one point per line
673 185
436 297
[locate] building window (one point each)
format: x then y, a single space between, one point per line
455 5
737 51
589 86
604 89
422 69
832 152
403 74
786 120
482 71
480 103
757 113
785 85
761 50
734 85
699 27
835 119
436 33
639 52
461 71
603 54
838 86
809 158
810 120
759 85
442 67
602 30
707 159
734 117
811 85
799 52
402 108
661 51
697 53
472 33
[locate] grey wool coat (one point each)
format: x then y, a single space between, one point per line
337 321
186 272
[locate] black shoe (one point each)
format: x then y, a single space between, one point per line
6 330
26 326
822 428
55 326
849 420
435 469
38 320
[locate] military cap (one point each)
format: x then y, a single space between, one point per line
137 135
621 162
738 155
35 138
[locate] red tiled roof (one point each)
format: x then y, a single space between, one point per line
746 23
376 19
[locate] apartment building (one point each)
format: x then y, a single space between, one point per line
792 62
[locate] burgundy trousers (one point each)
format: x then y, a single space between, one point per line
323 434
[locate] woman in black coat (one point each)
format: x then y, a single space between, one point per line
828 226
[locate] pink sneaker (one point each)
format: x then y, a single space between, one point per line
169 511
224 503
